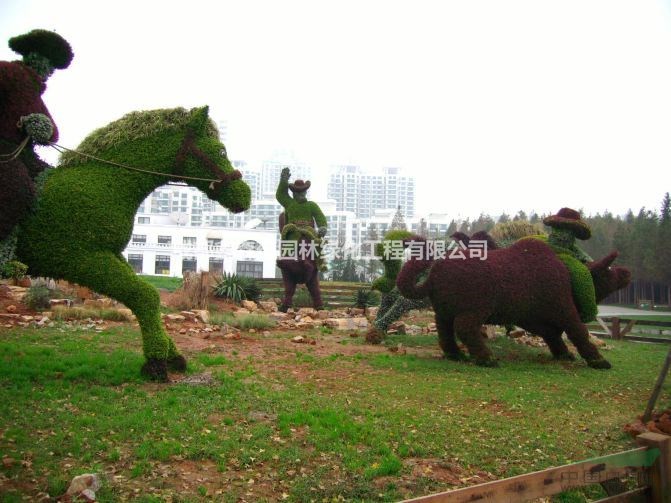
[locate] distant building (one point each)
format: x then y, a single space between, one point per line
163 245
363 193
271 169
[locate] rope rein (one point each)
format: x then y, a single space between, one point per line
5 158
61 149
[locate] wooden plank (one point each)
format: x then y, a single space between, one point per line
615 328
643 321
641 338
660 471
627 328
640 495
601 322
546 482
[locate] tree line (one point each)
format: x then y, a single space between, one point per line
643 240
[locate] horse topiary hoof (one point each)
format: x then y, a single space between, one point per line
599 364
489 362
283 308
155 370
565 357
177 363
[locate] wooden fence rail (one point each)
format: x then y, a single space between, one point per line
620 328
651 462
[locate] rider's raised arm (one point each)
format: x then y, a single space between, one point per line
282 194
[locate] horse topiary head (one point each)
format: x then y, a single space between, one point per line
182 143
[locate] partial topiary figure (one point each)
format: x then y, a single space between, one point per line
25 122
392 304
84 215
567 226
525 284
303 225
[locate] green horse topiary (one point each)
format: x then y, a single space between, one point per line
85 210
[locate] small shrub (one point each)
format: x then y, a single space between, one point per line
365 298
243 322
302 298
14 269
63 313
221 318
37 297
255 321
237 288
506 233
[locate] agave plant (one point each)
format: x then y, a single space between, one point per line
365 298
237 288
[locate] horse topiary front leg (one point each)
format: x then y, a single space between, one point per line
111 275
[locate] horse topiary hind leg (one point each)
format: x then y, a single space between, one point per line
109 274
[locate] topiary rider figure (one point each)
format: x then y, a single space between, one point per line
304 224
25 120
567 226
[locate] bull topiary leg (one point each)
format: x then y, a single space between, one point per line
579 335
109 274
315 291
289 291
467 326
553 338
446 338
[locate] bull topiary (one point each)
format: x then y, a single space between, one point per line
84 214
526 284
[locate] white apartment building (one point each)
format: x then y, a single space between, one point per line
271 170
363 193
179 229
166 247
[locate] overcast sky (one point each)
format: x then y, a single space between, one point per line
494 106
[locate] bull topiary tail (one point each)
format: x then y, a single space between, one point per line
407 280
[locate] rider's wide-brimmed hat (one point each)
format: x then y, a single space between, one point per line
570 220
46 43
299 186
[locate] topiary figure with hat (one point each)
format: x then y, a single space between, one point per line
25 120
567 226
304 224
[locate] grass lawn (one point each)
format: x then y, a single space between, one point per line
280 421
163 282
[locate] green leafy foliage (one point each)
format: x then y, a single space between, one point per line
14 269
37 297
365 298
237 288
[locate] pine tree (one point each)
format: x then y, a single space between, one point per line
398 222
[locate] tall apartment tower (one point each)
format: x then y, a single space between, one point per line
363 193
250 177
270 172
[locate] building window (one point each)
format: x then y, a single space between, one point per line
216 265
135 261
189 241
251 245
250 269
162 264
142 220
165 241
139 239
189 264
213 244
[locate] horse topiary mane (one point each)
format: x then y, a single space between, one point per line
135 126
